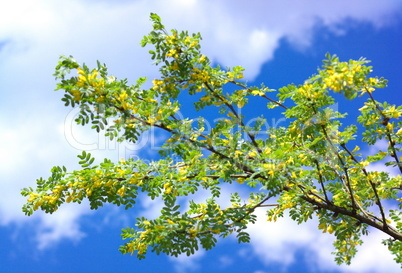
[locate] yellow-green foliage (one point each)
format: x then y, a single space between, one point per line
309 165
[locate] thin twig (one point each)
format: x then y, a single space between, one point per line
384 122
264 96
372 184
321 180
240 120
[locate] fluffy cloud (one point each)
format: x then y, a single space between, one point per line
184 263
247 33
34 34
279 242
62 225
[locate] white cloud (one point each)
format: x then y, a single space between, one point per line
34 34
61 225
184 263
379 166
151 208
232 30
373 257
225 261
26 150
279 242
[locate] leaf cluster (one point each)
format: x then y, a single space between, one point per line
309 165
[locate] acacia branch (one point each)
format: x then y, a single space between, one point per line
231 108
372 184
341 210
384 122
264 96
321 180
345 169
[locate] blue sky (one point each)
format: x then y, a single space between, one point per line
278 42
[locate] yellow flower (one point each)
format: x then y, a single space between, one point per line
123 96
373 81
121 191
202 58
53 199
93 75
193 44
267 151
268 166
168 190
252 154
157 84
187 40
205 98
288 205
151 120
330 229
241 180
364 163
322 226
100 99
170 39
193 233
80 71
76 94
171 53
257 92
32 196
290 160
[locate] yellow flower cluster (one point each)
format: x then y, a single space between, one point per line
234 75
202 59
168 187
121 191
51 198
338 79
123 96
253 153
172 39
326 228
138 243
199 75
76 94
190 42
307 90
136 179
89 80
82 186
158 84
257 92
369 87
287 201
174 53
393 112
270 168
